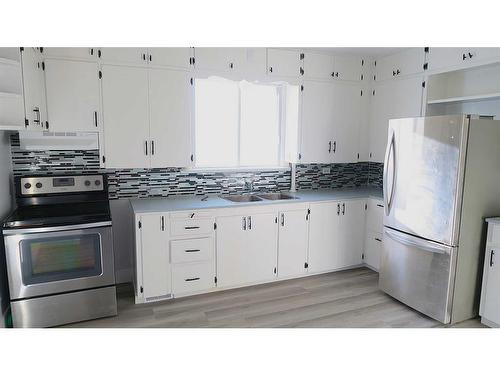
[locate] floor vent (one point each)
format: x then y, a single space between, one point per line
158 298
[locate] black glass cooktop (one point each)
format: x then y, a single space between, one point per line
58 214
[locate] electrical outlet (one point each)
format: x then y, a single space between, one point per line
325 170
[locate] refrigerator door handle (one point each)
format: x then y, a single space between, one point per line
388 197
407 239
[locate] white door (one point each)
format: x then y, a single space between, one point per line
124 55
283 63
156 279
170 94
351 233
317 133
442 58
347 117
407 62
347 68
262 246
491 305
126 117
175 57
373 249
34 89
72 89
292 243
219 59
318 66
81 53
364 124
323 236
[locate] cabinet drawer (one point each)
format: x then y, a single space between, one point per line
375 216
192 250
191 215
194 227
193 277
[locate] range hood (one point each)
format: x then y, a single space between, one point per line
40 141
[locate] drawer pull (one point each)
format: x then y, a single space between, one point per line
191 227
192 279
380 205
378 239
192 251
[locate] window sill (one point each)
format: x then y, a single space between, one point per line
237 169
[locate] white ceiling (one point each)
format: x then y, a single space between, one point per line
360 51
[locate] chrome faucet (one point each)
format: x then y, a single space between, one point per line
249 183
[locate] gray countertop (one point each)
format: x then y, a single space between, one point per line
182 203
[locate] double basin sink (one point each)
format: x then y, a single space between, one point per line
241 198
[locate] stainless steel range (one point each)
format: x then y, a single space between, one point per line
59 251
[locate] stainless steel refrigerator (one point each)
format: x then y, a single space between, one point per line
441 179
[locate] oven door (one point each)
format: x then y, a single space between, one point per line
44 261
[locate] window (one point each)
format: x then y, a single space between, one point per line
243 124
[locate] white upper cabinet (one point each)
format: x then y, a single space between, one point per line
317 144
79 53
220 59
124 55
284 63
174 57
72 89
407 62
347 68
11 90
170 94
292 244
125 115
443 58
34 89
318 66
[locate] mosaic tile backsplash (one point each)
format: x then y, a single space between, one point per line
131 183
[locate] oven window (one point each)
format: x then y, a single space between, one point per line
60 258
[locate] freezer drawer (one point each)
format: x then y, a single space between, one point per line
418 273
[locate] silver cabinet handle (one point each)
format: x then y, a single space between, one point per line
249 222
95 118
343 208
192 279
146 144
491 258
338 209
163 223
244 223
192 227
282 219
192 251
334 147
152 147
330 147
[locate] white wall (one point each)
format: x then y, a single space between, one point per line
6 199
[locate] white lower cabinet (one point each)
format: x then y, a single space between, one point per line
292 243
192 278
351 230
246 249
489 309
373 235
153 271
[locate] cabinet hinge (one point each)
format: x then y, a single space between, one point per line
215 226
300 156
308 213
100 74
192 157
361 90
301 87
43 65
46 125
276 220
41 49
426 65
358 155
215 279
426 49
140 225
370 155
373 92
142 289
191 81
26 122
366 206
423 84
306 265
374 77
362 77
302 56
375 63
362 256
301 70
104 159
274 270
362 62
99 53
21 49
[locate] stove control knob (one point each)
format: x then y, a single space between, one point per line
27 185
38 185
97 182
87 183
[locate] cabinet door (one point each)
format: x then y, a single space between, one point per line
323 236
392 99
373 249
347 108
219 59
364 123
351 233
124 55
491 304
318 66
156 279
81 53
72 89
169 97
125 115
292 243
317 133
175 57
34 89
410 61
347 68
283 63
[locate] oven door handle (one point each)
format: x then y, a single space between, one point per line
57 228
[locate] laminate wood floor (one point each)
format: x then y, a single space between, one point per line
346 299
